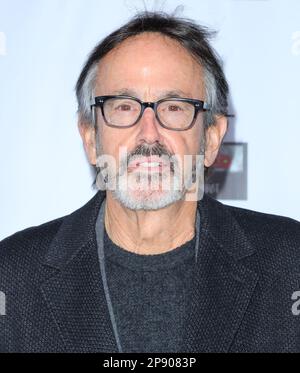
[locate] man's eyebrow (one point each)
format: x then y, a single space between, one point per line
125 92
175 93
165 94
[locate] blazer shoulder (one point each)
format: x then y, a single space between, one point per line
29 246
252 220
275 237
28 243
264 222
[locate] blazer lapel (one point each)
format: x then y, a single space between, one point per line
74 294
222 285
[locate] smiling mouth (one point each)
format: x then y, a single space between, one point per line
151 164
148 166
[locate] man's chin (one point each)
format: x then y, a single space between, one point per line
146 199
143 194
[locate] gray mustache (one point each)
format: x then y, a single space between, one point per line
147 151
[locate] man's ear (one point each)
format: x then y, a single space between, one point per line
214 136
88 135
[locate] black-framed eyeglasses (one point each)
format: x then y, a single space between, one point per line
177 114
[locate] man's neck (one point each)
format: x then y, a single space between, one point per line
150 232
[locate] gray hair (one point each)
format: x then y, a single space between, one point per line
191 36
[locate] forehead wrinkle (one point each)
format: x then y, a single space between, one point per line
164 94
107 66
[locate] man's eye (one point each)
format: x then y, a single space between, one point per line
123 107
174 108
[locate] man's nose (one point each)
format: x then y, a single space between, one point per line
149 127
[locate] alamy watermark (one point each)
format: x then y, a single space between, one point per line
296 43
164 174
3 51
296 305
2 304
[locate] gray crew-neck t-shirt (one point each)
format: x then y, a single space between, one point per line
149 296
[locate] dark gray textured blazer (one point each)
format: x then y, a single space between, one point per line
241 297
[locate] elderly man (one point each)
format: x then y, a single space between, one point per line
151 264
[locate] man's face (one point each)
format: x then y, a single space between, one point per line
149 67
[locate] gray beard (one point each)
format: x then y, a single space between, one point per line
144 197
145 191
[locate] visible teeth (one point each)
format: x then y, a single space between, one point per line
150 164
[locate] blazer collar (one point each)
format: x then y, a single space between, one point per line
222 285
78 228
218 221
219 295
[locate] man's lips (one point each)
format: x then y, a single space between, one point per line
153 163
